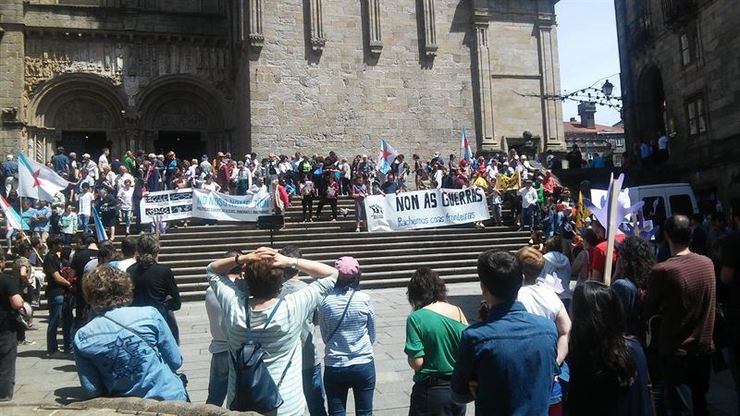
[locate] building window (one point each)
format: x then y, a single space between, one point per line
689 44
697 114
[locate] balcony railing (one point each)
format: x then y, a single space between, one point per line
678 12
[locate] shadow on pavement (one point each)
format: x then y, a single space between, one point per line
67 395
69 368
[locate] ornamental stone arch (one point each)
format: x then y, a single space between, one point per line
83 112
184 114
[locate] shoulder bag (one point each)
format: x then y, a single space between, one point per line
255 388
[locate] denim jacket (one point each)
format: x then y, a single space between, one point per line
512 357
115 362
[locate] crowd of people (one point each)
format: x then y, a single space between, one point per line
552 336
115 186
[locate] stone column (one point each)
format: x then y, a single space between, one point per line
430 28
552 109
256 35
316 11
373 20
483 80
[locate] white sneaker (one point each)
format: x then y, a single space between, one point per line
357 230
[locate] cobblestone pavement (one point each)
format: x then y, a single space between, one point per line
49 381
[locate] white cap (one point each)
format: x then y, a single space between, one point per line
523 157
9 156
86 156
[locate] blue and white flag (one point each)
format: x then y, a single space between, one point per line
386 156
38 181
100 233
466 152
12 217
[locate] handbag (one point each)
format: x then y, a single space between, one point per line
342 318
255 388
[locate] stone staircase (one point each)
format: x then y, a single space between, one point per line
387 259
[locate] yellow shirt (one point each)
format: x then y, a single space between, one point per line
479 182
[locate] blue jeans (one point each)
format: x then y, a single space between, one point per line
84 223
360 378
59 311
313 389
686 383
218 380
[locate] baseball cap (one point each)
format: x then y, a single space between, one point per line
348 267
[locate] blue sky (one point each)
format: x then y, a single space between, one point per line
587 36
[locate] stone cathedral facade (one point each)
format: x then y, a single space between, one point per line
200 76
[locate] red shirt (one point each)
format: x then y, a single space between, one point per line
598 254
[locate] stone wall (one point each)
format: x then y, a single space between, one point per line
344 98
709 160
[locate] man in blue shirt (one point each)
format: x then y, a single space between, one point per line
60 162
42 215
28 213
506 363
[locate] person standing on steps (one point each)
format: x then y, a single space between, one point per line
308 193
10 302
433 333
359 192
330 194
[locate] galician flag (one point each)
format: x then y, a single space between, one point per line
37 181
11 216
465 151
100 232
386 156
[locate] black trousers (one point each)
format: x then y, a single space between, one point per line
686 383
307 203
433 400
8 353
332 202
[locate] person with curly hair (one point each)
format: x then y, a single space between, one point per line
125 351
433 333
608 369
635 261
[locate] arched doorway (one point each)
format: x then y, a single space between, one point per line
182 114
651 104
81 112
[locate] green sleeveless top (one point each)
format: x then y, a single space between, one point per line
434 337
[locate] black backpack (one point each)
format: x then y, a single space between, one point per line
255 388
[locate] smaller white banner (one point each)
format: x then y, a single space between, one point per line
425 209
166 205
223 207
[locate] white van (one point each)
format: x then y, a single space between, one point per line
661 201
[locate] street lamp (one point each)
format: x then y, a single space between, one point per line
607 89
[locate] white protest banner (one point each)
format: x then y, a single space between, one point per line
166 205
223 207
425 209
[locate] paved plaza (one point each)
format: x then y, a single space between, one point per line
50 381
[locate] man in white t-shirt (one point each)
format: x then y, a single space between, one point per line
438 175
103 159
125 198
529 203
84 208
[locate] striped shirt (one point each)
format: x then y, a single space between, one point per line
281 339
352 343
